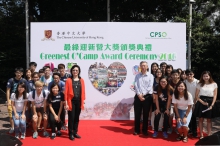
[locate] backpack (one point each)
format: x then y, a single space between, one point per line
33 95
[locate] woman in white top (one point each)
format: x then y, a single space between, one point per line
183 102
19 101
206 93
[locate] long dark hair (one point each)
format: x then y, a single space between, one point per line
201 78
176 92
168 66
154 63
160 71
71 71
23 85
51 92
168 87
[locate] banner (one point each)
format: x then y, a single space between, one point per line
109 55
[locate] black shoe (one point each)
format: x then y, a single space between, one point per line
53 136
190 132
145 133
71 137
194 134
77 136
59 133
136 133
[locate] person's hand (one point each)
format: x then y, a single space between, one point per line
35 116
9 103
205 103
184 120
157 111
167 112
66 107
142 99
56 118
210 107
23 117
16 116
45 115
178 120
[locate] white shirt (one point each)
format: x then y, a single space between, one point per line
191 87
46 81
39 100
182 104
207 90
19 103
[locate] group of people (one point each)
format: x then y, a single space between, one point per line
166 93
46 96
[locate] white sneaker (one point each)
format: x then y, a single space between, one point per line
11 130
17 136
23 136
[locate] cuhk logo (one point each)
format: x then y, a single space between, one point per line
48 36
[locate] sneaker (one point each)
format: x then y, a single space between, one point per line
160 129
53 135
155 134
170 130
35 135
59 133
165 135
11 130
17 136
176 131
23 136
46 134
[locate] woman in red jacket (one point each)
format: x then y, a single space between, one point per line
74 100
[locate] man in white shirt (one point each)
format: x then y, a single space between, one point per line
143 98
191 84
47 78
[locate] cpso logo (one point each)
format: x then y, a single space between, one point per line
158 34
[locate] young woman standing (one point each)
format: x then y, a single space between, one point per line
154 67
183 102
74 100
19 101
206 93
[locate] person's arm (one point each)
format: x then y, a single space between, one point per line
8 96
14 109
61 108
136 82
33 107
198 99
157 104
176 112
151 82
53 112
24 109
168 104
214 98
65 94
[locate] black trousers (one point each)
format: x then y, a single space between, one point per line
165 121
193 124
53 122
138 107
73 117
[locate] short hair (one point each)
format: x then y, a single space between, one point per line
41 71
55 70
174 71
61 65
56 74
189 71
39 83
46 67
35 73
163 63
143 62
32 63
19 69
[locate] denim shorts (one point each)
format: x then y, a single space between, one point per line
182 113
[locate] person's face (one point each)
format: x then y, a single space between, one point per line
163 67
159 73
62 70
154 67
75 71
144 67
163 82
181 88
189 76
175 76
18 74
28 73
206 77
20 89
32 67
168 70
183 76
39 88
35 78
56 78
55 90
47 72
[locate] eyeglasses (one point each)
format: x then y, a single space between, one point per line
189 74
75 70
39 87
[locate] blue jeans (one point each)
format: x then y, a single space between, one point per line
19 123
182 113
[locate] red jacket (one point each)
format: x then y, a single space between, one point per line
68 93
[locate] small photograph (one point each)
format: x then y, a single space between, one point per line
94 66
95 83
70 64
112 82
136 69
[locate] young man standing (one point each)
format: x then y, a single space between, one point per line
47 78
11 87
56 79
32 66
143 98
191 84
63 74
